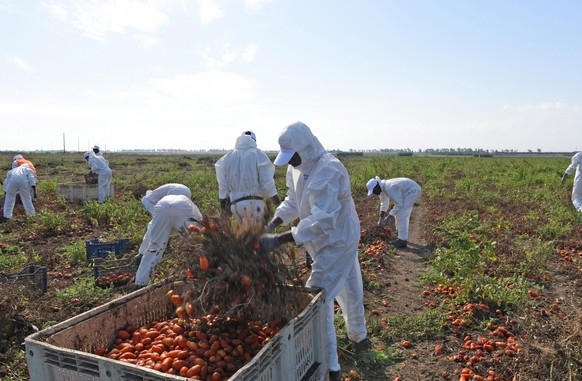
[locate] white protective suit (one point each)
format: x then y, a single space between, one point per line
100 166
319 194
152 197
171 213
403 192
577 188
246 173
96 148
19 180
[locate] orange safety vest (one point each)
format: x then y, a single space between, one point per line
24 161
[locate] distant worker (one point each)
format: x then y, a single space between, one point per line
152 197
577 187
100 166
403 192
171 213
245 177
20 180
18 160
97 151
319 195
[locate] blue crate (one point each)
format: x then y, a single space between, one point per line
98 249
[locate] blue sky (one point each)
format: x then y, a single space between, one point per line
362 74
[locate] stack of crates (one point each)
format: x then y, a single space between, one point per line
94 248
65 351
30 274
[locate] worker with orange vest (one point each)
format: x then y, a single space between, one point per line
18 160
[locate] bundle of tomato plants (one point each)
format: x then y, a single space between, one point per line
235 278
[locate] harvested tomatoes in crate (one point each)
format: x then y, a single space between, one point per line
116 272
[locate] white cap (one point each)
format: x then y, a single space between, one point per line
86 154
251 134
371 184
96 147
284 155
17 157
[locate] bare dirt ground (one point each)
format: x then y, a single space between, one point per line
397 292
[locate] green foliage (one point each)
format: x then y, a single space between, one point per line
75 253
48 222
427 325
83 290
12 259
371 358
16 368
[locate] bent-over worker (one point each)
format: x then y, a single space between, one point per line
100 166
403 192
20 180
171 213
152 197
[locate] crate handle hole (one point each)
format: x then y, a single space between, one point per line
31 353
108 373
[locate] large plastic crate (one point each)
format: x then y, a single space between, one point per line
81 192
94 248
31 274
64 352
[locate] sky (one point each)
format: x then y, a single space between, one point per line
363 75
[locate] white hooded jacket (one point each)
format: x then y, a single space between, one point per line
245 171
98 164
152 197
576 164
577 187
395 190
19 177
319 194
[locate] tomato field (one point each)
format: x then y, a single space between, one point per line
489 288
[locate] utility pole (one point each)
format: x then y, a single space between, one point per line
64 149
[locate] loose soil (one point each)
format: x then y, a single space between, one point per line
402 290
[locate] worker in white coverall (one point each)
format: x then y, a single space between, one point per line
152 197
319 194
171 213
20 180
577 188
245 177
97 150
17 161
100 166
403 192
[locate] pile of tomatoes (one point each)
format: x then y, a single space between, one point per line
114 278
570 252
211 348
